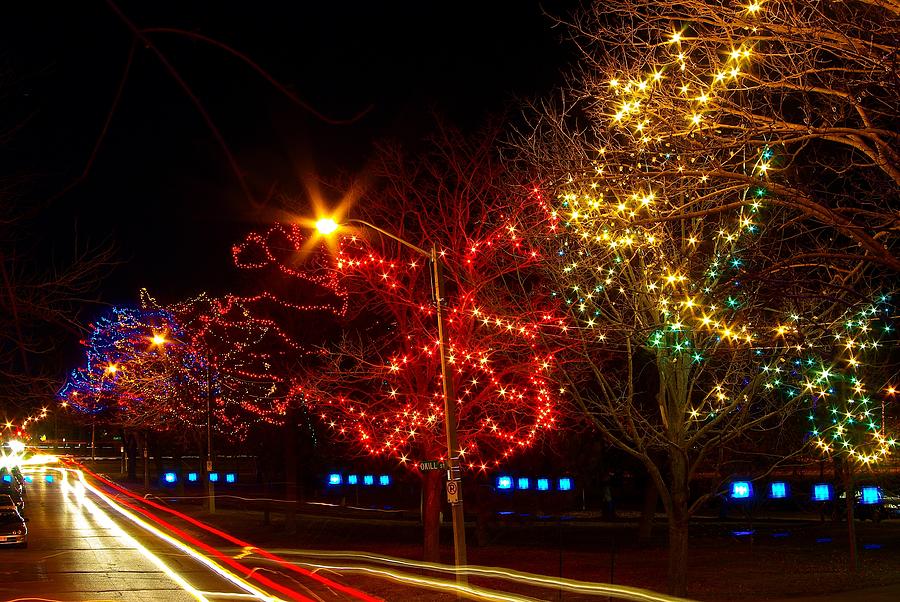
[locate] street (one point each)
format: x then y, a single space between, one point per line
78 551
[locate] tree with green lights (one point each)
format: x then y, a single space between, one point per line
712 197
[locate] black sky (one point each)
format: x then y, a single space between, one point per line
160 189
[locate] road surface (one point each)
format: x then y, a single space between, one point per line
81 548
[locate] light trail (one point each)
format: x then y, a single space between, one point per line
355 593
81 486
622 592
191 551
105 521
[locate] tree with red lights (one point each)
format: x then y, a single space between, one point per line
381 391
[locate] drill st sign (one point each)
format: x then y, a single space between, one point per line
432 465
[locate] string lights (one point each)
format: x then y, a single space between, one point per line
658 236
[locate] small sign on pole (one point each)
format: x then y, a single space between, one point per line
453 492
431 465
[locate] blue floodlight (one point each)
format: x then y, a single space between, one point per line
368 480
213 477
523 483
352 479
871 495
48 478
565 484
543 484
230 477
504 482
741 490
28 479
778 490
170 477
384 480
821 492
192 477
7 478
335 479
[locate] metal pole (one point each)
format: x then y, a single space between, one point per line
459 524
210 486
93 437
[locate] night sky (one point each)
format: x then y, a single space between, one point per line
160 189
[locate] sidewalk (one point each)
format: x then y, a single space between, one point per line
889 593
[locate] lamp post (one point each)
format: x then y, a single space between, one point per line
327 226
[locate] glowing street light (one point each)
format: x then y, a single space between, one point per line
328 226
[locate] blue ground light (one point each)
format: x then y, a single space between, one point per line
523 483
214 477
821 492
384 480
741 490
170 477
335 479
565 484
778 490
193 477
352 479
230 477
504 482
543 484
368 480
871 495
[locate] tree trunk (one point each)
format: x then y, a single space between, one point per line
850 498
290 472
146 452
131 449
431 515
678 525
179 474
648 511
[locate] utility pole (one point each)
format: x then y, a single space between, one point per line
210 486
454 478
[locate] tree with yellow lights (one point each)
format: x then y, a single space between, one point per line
713 190
798 97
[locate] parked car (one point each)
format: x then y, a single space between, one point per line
15 493
13 476
13 531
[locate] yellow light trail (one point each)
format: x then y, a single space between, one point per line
83 485
621 592
105 521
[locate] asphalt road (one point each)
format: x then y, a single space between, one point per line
76 552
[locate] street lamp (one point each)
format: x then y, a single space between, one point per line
328 226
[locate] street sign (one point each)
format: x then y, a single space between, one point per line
432 465
453 492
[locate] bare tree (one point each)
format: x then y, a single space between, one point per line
41 297
799 98
713 188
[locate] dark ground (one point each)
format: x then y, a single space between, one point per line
782 559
